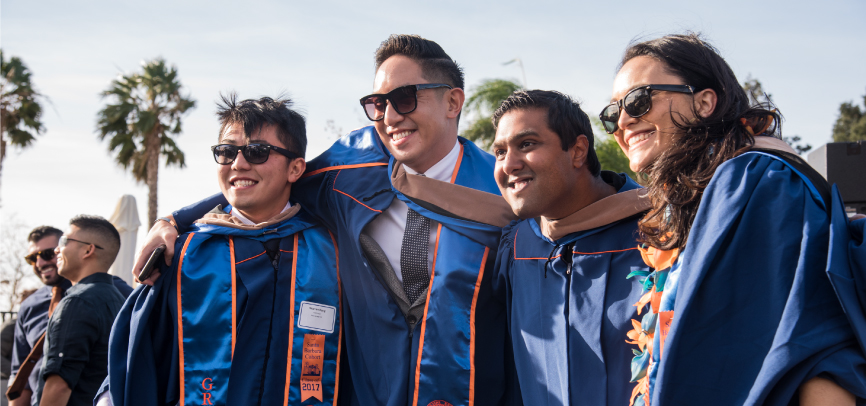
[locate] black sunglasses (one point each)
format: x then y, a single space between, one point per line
636 103
46 255
225 154
403 99
65 240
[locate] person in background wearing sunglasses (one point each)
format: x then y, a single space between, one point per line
418 217
740 309
249 311
562 269
33 313
75 359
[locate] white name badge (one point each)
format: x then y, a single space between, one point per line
317 317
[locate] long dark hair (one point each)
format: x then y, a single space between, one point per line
680 174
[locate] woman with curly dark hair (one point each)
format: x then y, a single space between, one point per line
740 310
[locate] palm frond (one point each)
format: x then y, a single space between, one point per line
20 108
483 101
142 103
487 96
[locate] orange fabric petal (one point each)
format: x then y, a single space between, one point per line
643 301
659 259
635 333
656 301
641 388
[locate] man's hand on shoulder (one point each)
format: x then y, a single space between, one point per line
161 233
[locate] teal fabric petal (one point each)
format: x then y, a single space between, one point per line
640 272
648 323
661 278
639 365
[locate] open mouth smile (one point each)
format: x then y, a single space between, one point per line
519 184
243 183
398 138
639 138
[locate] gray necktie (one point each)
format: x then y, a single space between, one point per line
413 255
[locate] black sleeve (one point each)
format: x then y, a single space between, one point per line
72 332
7 333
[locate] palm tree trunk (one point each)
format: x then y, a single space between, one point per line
152 151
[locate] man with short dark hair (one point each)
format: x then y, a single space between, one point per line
418 218
563 269
249 312
33 313
75 359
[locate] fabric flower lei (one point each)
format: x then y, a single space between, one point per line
644 331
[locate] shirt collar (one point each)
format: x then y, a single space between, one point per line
99 277
237 214
443 169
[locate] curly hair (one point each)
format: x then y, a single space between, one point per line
680 174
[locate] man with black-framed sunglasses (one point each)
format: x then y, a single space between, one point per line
75 359
255 289
403 99
33 313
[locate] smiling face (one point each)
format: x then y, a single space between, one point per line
47 270
423 137
258 191
644 138
534 174
70 257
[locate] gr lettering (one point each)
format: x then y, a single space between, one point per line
207 397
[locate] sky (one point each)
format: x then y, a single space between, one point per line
808 55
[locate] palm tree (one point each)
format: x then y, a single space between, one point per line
485 99
20 111
143 115
609 153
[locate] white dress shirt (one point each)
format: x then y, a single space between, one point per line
388 228
237 214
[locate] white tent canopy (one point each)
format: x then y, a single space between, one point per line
125 219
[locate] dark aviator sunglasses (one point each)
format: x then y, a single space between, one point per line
225 154
403 99
636 103
46 255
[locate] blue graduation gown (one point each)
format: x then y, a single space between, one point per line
754 314
846 264
462 340
251 349
568 323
